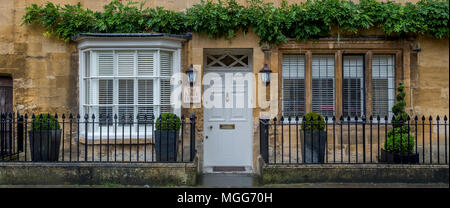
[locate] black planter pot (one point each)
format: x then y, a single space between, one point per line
44 145
392 157
314 146
166 145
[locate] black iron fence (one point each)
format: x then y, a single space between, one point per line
417 140
76 138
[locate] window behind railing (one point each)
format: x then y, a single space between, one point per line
22 141
129 83
353 85
323 84
383 85
293 74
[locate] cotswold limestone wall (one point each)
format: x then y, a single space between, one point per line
45 70
429 80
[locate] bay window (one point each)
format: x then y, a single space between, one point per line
125 82
130 83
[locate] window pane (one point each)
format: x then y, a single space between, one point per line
353 85
166 90
383 89
166 63
293 73
145 96
145 63
87 64
293 97
323 84
145 111
293 66
352 97
145 92
122 95
105 100
105 63
125 63
126 100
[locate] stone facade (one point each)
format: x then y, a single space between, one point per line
45 70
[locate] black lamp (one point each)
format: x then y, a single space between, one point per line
191 75
265 74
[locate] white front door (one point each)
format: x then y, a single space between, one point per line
228 127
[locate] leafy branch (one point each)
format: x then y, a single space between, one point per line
306 21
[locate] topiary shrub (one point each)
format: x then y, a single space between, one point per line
318 122
397 138
400 116
168 121
45 122
400 144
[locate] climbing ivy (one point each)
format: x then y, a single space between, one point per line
305 21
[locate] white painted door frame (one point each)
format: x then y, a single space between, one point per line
228 132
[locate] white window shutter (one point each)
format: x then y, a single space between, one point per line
126 99
166 63
87 64
105 63
105 99
125 63
146 63
293 73
145 98
166 90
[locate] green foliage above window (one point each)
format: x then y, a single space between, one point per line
309 20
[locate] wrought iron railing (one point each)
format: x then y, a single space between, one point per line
90 139
419 140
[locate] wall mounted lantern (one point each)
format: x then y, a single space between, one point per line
191 75
265 74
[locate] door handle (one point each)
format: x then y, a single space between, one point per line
210 127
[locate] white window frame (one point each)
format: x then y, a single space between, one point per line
173 46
